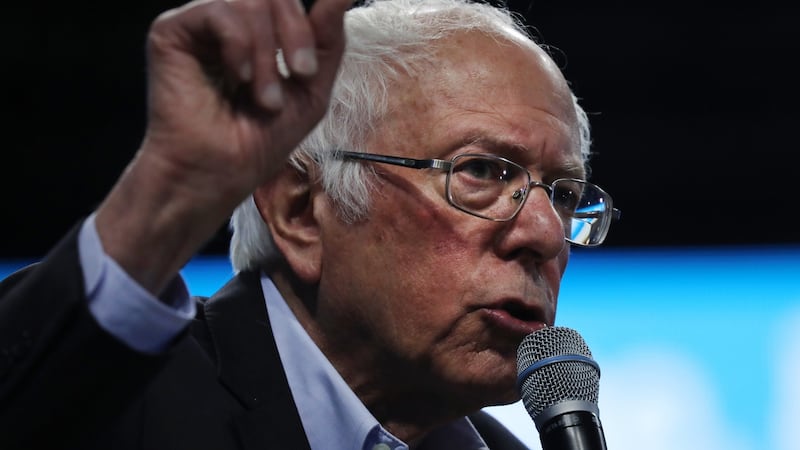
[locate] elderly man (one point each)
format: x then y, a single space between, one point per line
386 273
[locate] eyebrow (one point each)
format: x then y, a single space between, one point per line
520 154
500 147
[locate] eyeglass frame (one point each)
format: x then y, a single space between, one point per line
447 166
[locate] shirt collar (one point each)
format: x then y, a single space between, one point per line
331 413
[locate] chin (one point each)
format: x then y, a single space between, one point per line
481 398
502 393
490 388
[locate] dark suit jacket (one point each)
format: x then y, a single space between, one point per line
66 383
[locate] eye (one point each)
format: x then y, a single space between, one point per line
481 168
567 195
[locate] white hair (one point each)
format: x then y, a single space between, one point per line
386 39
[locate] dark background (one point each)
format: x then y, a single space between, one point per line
693 107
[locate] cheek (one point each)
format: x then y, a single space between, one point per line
409 269
420 262
559 268
435 255
420 235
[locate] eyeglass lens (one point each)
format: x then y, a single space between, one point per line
495 188
485 186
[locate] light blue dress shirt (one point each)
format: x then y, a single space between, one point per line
125 309
332 415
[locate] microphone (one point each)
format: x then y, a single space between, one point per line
559 384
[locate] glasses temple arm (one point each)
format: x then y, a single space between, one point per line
398 161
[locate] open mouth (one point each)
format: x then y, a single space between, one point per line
516 318
520 312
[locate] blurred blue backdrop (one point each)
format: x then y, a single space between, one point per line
699 347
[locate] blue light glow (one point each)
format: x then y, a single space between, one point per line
684 336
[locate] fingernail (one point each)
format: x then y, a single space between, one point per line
304 61
272 96
246 71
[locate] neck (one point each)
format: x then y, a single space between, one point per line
409 410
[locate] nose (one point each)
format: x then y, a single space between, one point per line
538 227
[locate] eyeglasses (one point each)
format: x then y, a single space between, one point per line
495 188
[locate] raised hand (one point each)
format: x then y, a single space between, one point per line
222 118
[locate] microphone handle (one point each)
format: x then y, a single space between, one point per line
574 430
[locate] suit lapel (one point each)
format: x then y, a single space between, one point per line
249 365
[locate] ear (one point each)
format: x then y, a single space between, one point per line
286 205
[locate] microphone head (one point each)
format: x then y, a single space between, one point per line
555 367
